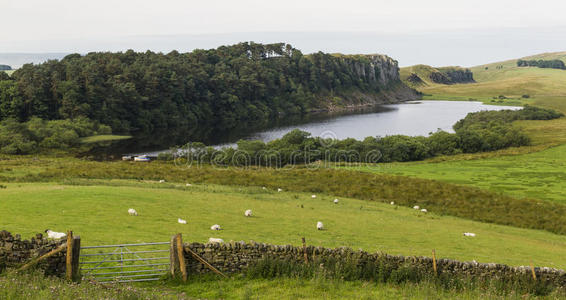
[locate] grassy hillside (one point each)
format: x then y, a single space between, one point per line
505 78
95 209
420 76
423 71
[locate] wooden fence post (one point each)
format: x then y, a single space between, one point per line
434 262
45 256
173 256
76 254
305 251
69 256
181 254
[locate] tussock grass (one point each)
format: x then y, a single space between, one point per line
384 272
35 286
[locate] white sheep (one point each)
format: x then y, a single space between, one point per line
55 235
181 221
132 212
392 203
264 188
469 234
319 225
162 181
335 201
416 207
248 213
279 190
424 210
188 184
215 227
313 196
215 240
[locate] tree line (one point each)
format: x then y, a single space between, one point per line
193 94
553 64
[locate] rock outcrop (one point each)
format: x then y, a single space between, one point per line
452 75
380 73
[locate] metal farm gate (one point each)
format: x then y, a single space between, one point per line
125 262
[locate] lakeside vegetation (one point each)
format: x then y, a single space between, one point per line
477 132
37 135
193 95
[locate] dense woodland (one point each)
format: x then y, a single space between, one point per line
478 132
194 94
552 64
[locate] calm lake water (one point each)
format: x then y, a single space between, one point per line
411 118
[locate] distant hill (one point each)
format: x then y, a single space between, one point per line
423 75
5 68
16 60
506 79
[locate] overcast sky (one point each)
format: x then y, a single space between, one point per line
432 30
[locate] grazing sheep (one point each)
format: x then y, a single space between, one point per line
335 201
55 235
215 227
424 210
264 188
248 213
416 207
188 184
319 226
161 181
181 221
313 196
392 203
469 234
132 212
279 190
215 241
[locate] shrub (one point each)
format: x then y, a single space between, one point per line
38 135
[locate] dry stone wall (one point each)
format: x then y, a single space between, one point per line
235 257
15 252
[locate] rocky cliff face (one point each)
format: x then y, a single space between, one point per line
381 73
376 68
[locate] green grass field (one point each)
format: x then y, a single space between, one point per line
104 138
97 211
539 175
